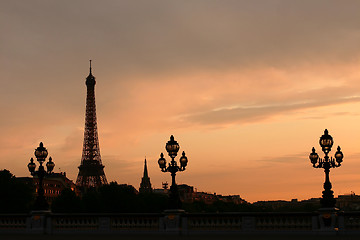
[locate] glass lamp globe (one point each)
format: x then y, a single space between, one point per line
50 165
313 156
31 165
326 142
339 155
172 147
162 161
41 153
183 160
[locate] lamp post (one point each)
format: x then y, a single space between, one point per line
326 142
172 147
41 154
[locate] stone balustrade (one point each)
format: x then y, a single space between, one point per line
77 222
179 222
214 222
135 222
349 221
13 222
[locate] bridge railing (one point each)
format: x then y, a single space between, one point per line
104 222
14 223
181 222
245 222
349 221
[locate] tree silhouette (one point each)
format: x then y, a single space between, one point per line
110 198
67 202
15 196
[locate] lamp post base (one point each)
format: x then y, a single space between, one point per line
40 222
328 219
173 220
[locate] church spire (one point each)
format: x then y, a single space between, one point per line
145 185
90 67
145 170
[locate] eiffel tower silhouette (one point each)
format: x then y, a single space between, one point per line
91 170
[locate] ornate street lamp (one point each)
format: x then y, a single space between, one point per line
172 147
41 154
326 142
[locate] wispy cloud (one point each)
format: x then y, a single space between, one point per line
238 115
289 158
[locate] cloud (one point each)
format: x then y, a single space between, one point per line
289 158
161 36
251 114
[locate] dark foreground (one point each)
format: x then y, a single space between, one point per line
176 237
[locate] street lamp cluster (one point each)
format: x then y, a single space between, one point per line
172 147
41 153
326 142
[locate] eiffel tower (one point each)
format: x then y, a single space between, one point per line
91 170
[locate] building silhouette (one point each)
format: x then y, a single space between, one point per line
163 190
53 184
91 170
348 202
145 185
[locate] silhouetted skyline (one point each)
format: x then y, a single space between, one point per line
246 87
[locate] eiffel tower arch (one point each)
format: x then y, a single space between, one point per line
91 170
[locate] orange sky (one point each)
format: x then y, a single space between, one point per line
246 87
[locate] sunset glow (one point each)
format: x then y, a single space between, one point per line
246 87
